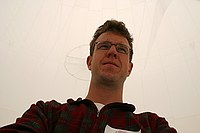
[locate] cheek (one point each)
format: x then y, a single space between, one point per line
127 67
97 58
95 62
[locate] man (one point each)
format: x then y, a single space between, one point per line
103 109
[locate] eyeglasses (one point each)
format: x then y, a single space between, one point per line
106 45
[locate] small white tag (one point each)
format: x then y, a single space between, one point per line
109 129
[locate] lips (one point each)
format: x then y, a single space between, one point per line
111 63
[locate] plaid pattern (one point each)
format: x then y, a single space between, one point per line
81 116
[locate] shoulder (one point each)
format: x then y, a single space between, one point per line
47 106
146 115
151 117
44 104
52 103
154 121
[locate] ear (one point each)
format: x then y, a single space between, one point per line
130 68
89 61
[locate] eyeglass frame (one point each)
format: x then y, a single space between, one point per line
129 49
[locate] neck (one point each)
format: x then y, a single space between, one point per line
105 94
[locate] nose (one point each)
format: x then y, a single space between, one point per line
112 52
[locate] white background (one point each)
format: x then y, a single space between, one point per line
44 45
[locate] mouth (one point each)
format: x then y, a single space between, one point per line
110 63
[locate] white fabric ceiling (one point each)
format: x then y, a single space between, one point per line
44 44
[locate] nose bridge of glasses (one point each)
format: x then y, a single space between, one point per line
121 48
114 45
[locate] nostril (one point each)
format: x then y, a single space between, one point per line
115 55
112 54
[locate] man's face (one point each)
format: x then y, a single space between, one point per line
109 63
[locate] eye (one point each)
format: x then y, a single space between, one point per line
122 49
103 46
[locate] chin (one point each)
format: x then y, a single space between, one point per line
109 77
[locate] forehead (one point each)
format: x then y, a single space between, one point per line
112 37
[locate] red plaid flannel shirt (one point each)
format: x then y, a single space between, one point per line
82 116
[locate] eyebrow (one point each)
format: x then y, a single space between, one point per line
113 43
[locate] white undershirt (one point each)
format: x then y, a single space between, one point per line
99 106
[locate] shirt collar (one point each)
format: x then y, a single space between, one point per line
89 103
